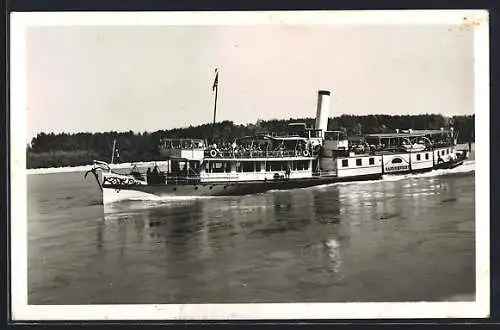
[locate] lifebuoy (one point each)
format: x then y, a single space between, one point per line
440 160
213 153
305 153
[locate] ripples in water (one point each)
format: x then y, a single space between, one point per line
390 240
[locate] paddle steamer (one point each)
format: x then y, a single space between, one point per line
301 157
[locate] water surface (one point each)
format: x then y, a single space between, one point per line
400 239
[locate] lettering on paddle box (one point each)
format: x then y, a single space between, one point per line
397 168
397 165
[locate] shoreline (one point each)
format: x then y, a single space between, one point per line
82 168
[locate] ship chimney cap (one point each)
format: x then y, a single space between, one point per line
323 92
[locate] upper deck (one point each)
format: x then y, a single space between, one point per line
428 138
257 147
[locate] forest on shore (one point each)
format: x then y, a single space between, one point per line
75 149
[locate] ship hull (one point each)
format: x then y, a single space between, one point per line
449 165
112 193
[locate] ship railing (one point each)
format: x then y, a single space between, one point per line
182 179
402 149
442 144
324 173
214 153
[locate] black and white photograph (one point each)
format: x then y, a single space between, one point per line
249 165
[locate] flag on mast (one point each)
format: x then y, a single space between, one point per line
115 154
216 80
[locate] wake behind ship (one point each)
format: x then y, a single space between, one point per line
301 157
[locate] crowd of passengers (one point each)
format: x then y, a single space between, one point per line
227 148
223 148
183 144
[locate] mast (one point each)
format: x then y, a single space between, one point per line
215 87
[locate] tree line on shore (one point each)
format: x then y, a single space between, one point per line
58 150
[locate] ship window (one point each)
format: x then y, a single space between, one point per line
257 167
427 155
418 156
371 161
397 161
247 166
275 166
447 151
238 167
345 162
302 165
217 167
442 152
358 162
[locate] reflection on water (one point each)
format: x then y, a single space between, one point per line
381 241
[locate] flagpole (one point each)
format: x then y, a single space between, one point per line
216 86
114 150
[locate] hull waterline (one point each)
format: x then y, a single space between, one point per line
113 193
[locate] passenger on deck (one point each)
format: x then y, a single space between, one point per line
287 172
148 175
155 175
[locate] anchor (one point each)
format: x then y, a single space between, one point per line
98 165
93 171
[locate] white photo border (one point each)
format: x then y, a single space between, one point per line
20 21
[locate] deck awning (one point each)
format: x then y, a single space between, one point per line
414 133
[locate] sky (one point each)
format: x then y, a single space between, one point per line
146 78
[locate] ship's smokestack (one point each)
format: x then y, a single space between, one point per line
323 111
